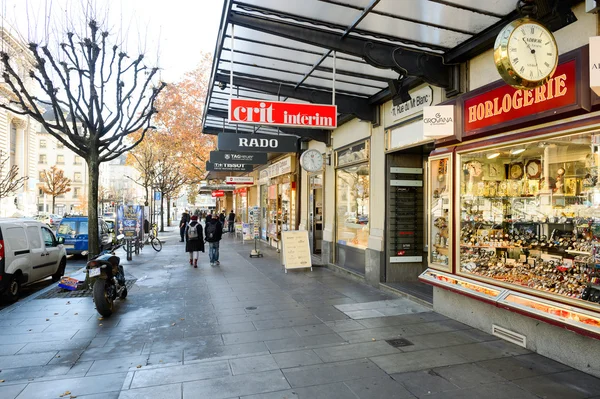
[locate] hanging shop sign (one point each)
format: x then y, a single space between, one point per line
256 143
595 64
279 113
242 191
252 158
419 99
438 121
239 180
228 167
497 106
278 168
217 193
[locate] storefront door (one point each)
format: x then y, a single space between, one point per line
315 216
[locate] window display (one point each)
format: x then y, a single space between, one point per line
352 203
440 184
530 216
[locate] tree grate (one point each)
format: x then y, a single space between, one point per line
399 342
58 292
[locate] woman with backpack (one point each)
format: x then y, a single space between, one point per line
194 240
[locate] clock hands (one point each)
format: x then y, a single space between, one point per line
534 56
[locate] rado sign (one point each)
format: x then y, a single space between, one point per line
256 143
253 158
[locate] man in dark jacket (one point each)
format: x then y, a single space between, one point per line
213 231
231 222
185 219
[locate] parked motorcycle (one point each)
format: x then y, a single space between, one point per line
107 278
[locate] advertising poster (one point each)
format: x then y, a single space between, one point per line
248 231
130 221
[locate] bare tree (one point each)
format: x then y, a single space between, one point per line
108 96
54 183
168 179
10 181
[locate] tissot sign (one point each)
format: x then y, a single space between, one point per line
228 167
280 113
252 158
256 143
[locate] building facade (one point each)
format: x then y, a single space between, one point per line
18 138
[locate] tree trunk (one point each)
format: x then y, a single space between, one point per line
162 214
94 177
53 204
168 211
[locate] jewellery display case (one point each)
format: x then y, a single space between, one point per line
440 207
529 218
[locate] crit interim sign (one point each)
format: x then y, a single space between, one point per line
278 113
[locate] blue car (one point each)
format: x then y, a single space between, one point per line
74 230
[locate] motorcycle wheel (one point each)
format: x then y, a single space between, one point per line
102 299
123 293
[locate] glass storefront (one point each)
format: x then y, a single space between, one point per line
530 217
352 202
263 211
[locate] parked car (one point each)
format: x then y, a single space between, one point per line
29 251
74 231
51 220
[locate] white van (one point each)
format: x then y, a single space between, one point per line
29 252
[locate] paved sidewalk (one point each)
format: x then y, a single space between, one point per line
248 330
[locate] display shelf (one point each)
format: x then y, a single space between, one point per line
461 284
440 211
570 315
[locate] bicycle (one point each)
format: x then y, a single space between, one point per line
153 238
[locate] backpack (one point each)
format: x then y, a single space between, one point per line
192 232
211 231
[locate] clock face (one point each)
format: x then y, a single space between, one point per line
311 160
516 170
474 168
526 54
533 169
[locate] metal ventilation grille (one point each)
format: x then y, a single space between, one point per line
510 336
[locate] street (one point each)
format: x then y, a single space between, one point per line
74 263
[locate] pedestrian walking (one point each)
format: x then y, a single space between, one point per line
194 240
231 222
213 232
185 219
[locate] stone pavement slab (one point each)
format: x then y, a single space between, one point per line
247 329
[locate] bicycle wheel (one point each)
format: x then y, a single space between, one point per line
156 244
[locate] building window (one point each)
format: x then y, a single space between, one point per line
42 143
59 145
43 159
76 191
77 160
60 159
352 201
41 192
42 176
77 177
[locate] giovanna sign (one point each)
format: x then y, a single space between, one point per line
278 113
505 105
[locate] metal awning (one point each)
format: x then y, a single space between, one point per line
284 51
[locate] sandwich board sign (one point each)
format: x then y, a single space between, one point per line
296 251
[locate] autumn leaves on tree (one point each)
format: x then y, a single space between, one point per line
174 155
54 183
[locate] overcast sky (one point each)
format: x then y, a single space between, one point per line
178 30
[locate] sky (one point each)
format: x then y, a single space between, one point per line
172 33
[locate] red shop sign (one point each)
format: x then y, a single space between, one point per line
280 113
218 193
242 191
499 106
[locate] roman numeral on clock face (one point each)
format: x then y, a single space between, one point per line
515 61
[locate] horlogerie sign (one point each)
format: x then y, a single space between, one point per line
278 113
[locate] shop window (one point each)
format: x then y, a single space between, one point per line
352 203
529 217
